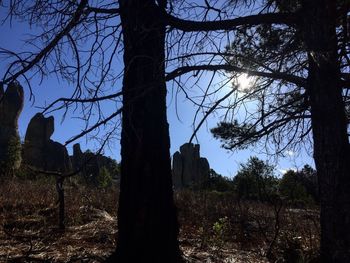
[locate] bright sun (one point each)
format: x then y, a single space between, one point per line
244 82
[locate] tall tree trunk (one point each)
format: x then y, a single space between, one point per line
329 124
147 222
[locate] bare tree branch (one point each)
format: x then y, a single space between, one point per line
230 68
72 23
231 24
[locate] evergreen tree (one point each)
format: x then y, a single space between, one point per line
255 180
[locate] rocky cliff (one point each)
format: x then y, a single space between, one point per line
40 151
11 105
189 169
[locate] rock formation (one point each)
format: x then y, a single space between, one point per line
77 158
11 105
40 151
90 164
189 169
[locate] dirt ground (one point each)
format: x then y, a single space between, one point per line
213 230
32 239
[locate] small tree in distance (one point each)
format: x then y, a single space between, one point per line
300 186
217 182
104 178
292 189
255 180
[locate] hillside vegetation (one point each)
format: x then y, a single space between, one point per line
215 226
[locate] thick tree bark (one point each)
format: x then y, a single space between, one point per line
329 125
147 220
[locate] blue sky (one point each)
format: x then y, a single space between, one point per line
222 161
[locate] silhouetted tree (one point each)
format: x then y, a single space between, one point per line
80 41
255 180
291 188
304 98
217 182
308 177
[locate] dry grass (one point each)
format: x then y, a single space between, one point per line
214 227
219 223
29 219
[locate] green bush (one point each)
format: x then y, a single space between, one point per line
104 178
220 231
12 159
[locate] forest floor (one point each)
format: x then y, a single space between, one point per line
215 227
